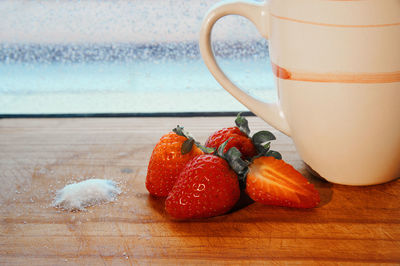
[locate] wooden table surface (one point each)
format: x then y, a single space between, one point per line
40 156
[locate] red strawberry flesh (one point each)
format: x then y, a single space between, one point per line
274 182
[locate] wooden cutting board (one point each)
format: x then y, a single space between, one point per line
40 156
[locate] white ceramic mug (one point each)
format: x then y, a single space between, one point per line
337 69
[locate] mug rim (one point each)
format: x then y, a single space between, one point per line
337 13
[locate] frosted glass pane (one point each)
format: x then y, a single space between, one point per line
134 56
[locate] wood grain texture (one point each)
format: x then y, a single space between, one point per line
353 225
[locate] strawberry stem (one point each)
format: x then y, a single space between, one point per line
261 139
234 158
181 132
262 136
188 144
242 124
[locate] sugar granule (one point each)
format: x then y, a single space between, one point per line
90 192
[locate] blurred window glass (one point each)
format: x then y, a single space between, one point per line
74 57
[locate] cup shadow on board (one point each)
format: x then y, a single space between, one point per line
324 187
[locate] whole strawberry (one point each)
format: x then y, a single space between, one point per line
168 158
206 187
239 137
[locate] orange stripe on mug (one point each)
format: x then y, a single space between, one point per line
336 25
387 77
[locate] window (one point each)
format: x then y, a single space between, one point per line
86 57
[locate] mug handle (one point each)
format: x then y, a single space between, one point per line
258 14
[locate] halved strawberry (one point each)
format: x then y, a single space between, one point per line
273 182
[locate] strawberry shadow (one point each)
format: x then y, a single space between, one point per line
321 185
157 204
243 202
324 187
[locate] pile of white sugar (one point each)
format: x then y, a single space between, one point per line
90 192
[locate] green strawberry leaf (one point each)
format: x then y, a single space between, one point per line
242 124
181 132
205 149
274 154
187 146
262 137
233 156
233 153
240 166
221 148
267 146
262 149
